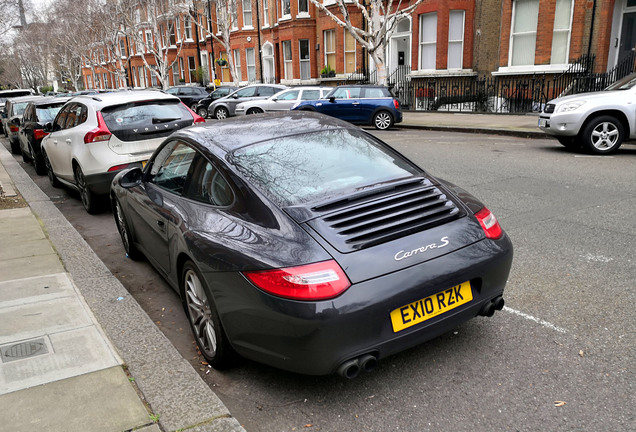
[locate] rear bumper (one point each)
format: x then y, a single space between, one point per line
317 337
100 183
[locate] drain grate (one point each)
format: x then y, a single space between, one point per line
23 350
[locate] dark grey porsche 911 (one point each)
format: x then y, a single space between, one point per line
305 243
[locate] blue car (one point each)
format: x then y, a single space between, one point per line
358 104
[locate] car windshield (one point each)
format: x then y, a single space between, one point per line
18 108
303 168
624 84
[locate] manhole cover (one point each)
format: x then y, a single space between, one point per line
23 350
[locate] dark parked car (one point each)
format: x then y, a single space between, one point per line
358 104
37 114
218 93
14 108
189 95
305 243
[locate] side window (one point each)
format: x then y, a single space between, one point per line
173 91
60 121
246 92
206 184
311 95
374 93
170 168
290 95
268 91
76 115
342 93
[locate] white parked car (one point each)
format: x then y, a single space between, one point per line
282 101
93 137
598 121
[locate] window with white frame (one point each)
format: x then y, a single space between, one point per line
149 44
456 39
234 6
349 52
89 81
330 48
305 59
175 74
287 60
171 29
266 13
561 32
181 69
251 64
523 32
428 41
237 63
285 6
187 27
192 69
247 13
140 42
178 29
303 7
122 48
268 63
153 76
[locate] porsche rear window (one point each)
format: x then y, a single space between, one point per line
136 121
308 167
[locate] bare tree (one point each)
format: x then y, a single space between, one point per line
226 20
31 47
380 16
160 18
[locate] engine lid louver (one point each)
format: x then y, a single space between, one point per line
376 219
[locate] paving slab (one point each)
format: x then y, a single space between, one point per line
79 404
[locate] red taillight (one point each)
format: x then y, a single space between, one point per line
100 133
319 281
117 167
14 128
38 134
197 117
396 104
489 223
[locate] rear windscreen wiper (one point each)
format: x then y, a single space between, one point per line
156 120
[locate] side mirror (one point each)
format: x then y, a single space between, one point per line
48 127
131 178
332 99
234 96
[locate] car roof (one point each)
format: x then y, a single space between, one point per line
25 98
116 98
236 132
47 100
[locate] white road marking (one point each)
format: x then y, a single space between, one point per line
537 320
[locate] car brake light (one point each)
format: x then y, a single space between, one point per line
318 281
396 104
100 133
14 128
117 167
38 134
489 223
197 117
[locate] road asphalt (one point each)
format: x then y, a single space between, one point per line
77 352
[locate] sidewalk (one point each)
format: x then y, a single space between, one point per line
77 353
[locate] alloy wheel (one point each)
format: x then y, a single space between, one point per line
200 313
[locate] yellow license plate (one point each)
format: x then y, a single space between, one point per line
431 306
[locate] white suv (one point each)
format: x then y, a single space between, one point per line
93 137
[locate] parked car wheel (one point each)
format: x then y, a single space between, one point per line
88 198
49 171
572 143
254 111
204 318
38 162
15 147
382 120
603 135
203 112
122 226
221 113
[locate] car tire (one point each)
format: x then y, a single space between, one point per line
25 157
221 113
203 112
15 147
38 162
204 318
254 111
571 143
49 171
382 120
89 200
124 231
602 135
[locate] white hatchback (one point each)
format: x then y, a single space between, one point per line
93 137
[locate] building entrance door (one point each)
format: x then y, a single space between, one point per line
628 36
